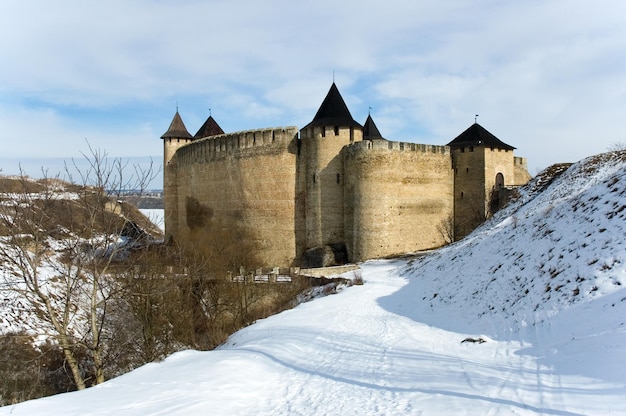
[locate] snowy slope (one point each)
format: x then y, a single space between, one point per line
542 283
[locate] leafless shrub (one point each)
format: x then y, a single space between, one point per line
446 229
357 277
616 146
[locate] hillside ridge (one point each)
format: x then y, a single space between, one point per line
554 247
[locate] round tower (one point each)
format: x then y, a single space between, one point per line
322 141
175 137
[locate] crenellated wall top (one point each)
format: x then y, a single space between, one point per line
242 142
374 145
262 131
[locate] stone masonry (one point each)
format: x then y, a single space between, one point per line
334 191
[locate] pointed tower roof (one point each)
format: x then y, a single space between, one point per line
370 131
476 135
333 111
177 129
209 128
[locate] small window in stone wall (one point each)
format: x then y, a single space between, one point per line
462 150
339 178
323 131
461 194
471 149
466 170
313 178
336 130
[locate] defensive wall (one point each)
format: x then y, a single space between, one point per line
377 197
329 187
521 170
334 192
246 178
397 197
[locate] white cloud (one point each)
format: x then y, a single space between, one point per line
547 76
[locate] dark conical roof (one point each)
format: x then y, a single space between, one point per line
476 135
333 111
209 128
370 131
177 129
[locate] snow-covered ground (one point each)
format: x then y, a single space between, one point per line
543 283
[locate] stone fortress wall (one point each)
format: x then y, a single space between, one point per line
334 184
397 197
245 177
266 179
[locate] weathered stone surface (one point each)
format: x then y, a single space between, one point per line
325 196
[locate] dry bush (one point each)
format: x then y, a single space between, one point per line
186 299
445 228
357 277
28 372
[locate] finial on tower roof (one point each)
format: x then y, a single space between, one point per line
475 118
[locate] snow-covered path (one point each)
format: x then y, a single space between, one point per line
355 353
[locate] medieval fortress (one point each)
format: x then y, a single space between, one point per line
334 191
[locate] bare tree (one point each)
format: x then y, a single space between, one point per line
60 241
446 229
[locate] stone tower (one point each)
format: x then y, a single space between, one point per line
483 165
174 138
322 140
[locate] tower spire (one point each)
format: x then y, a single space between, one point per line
333 111
177 129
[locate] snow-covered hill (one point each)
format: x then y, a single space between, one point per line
543 283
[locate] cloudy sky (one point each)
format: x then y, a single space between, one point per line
546 76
